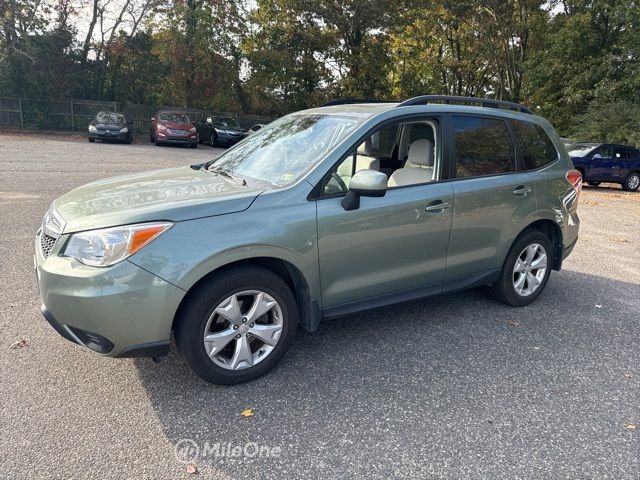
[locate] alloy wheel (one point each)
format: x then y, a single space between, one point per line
529 269
243 330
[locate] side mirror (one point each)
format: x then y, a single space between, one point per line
365 183
152 119
209 120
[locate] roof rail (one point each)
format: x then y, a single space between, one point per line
484 102
349 101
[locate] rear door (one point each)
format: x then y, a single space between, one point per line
493 198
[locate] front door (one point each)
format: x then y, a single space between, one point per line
391 248
601 164
390 245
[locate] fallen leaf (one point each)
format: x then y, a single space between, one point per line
19 344
598 306
630 426
192 469
628 375
247 412
513 323
622 240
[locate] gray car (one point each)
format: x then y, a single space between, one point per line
322 213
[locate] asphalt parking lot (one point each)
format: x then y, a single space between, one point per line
456 386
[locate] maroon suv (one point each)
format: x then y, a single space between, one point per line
173 127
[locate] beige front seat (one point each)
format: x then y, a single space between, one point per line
363 161
419 165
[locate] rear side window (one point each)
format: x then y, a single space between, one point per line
535 145
483 147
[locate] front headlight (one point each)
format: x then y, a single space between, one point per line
92 129
108 246
124 130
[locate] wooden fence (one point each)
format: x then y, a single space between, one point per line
75 115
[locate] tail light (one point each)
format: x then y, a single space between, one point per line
574 177
162 126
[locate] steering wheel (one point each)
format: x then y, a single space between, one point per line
339 181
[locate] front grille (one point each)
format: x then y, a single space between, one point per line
46 244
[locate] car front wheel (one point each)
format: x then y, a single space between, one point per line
632 182
237 325
525 271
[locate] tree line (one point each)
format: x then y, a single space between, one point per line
574 61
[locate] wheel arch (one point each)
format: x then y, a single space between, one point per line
309 312
552 230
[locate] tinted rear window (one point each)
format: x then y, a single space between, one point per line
483 147
535 145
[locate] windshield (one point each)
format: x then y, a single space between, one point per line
226 122
173 117
109 117
283 151
580 149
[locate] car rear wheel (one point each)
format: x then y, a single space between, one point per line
236 326
525 271
91 140
213 140
594 184
632 182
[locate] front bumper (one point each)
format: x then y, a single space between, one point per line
119 311
178 139
120 137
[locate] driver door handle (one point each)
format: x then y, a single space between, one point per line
437 207
521 190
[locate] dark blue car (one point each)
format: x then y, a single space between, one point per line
606 162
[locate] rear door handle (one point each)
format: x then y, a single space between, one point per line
437 206
521 190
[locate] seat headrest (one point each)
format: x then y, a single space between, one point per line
366 148
421 153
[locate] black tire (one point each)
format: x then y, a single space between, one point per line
632 182
194 314
129 139
151 139
213 139
91 140
157 142
194 145
504 289
594 184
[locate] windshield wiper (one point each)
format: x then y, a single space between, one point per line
226 173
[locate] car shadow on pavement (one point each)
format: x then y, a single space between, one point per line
435 388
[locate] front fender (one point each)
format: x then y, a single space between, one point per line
193 249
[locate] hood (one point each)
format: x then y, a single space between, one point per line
109 126
174 194
176 126
230 129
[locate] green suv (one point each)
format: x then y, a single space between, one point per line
322 213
